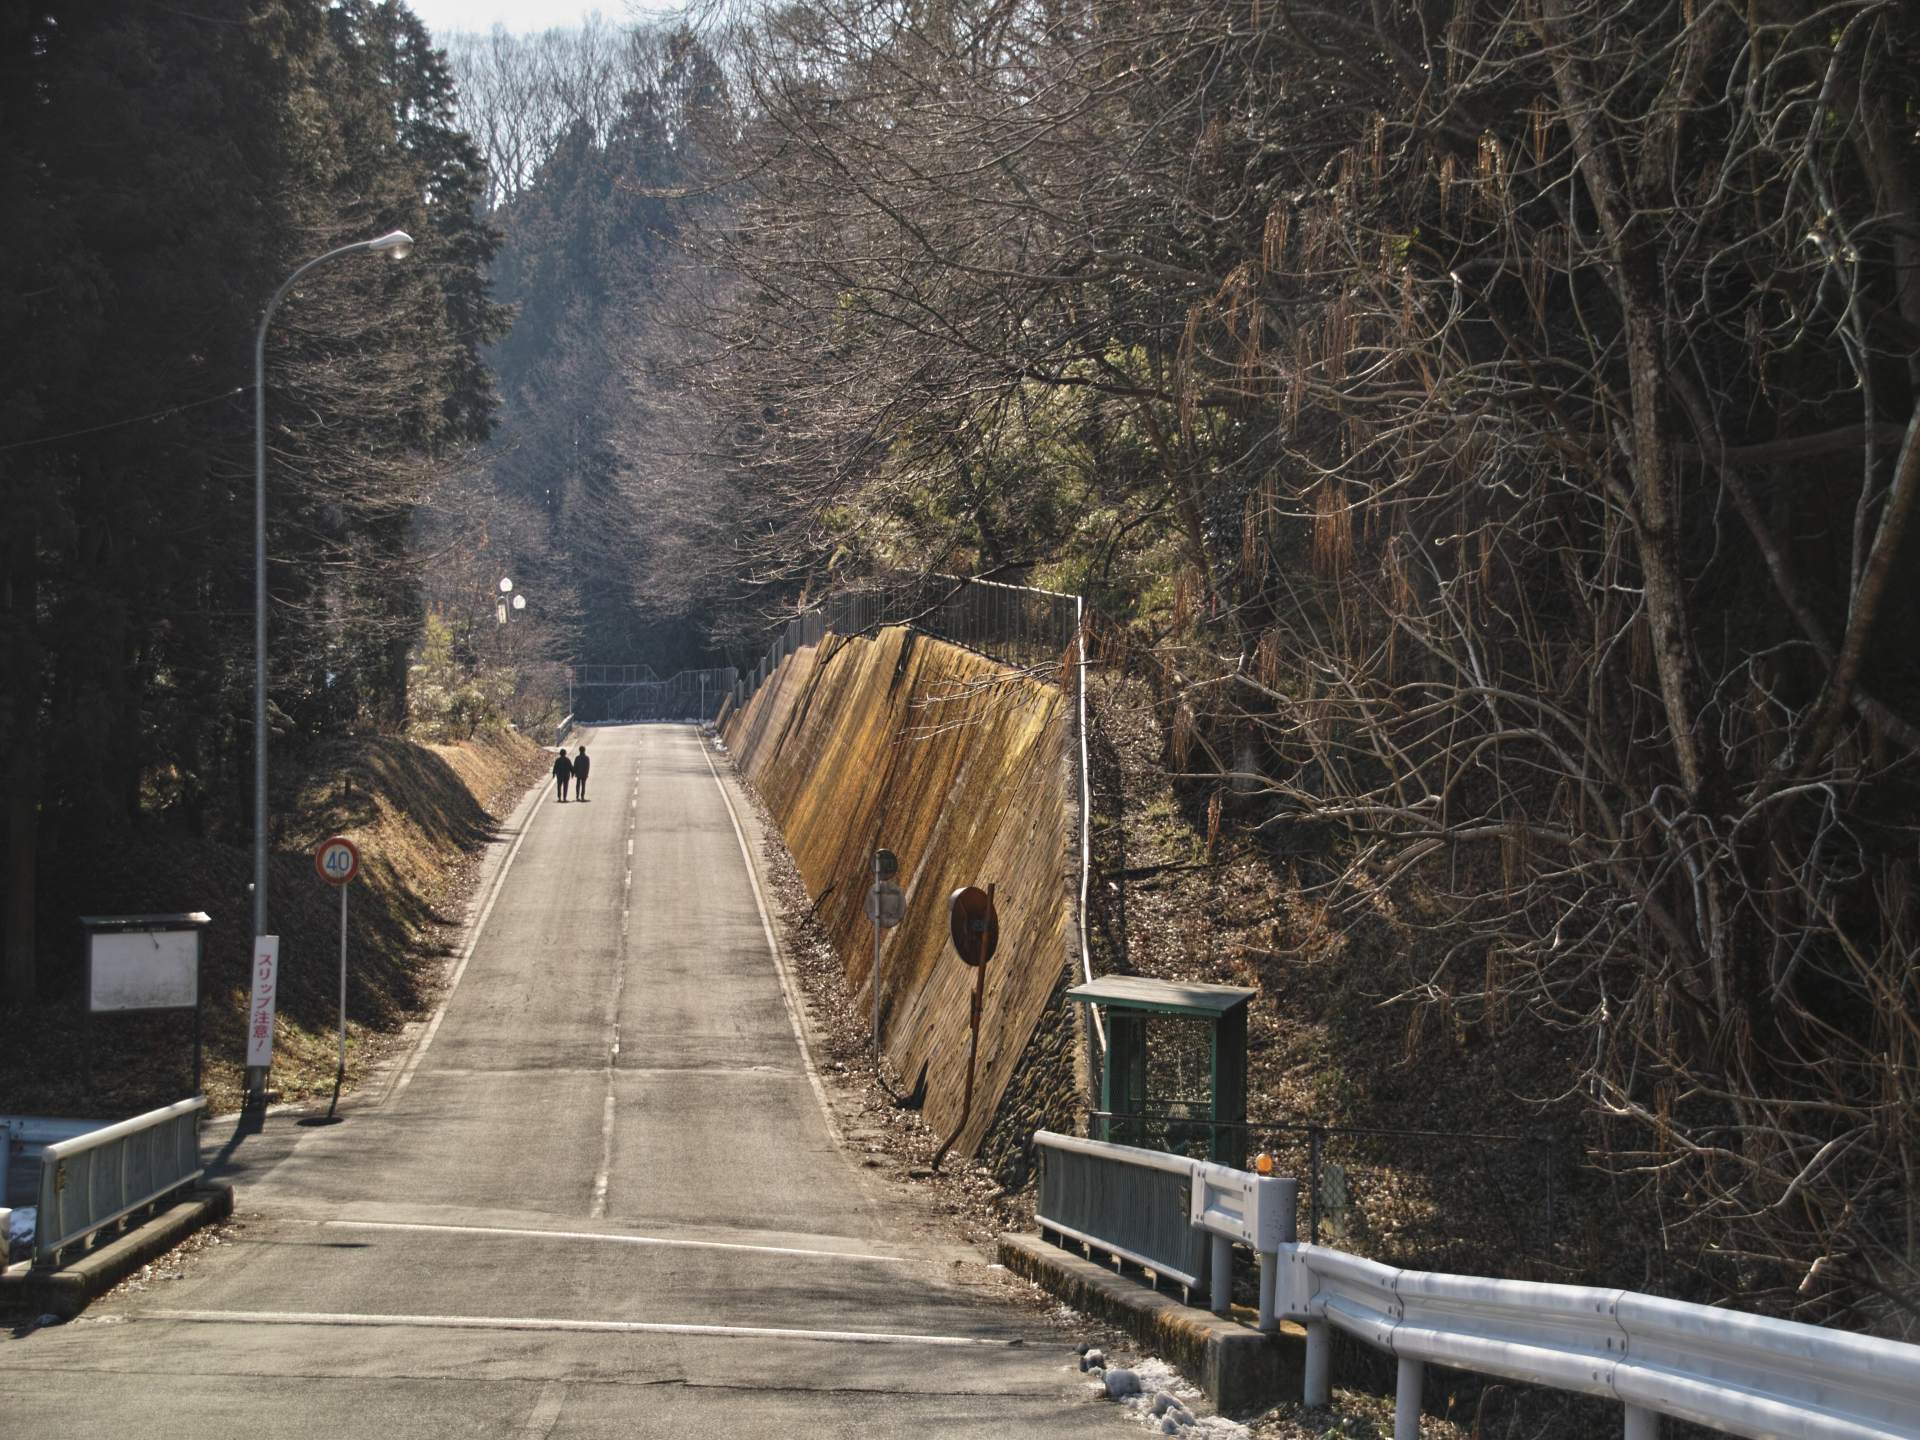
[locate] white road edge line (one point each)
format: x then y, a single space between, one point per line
604 1239
466 951
591 1327
787 990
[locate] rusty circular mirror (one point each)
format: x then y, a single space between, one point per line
975 924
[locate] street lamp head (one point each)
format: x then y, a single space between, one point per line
505 585
396 243
519 602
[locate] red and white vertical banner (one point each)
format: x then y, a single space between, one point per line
266 992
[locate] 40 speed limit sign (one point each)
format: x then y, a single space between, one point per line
337 860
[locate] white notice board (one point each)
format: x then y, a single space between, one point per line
143 970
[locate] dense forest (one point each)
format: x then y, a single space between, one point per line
1491 424
590 142
163 169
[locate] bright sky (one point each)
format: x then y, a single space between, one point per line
446 17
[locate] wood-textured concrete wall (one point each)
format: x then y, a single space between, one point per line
960 767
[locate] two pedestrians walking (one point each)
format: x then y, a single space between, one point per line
574 770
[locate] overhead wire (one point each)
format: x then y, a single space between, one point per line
132 420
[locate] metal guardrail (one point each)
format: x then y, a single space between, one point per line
1257 1211
1737 1373
96 1178
1128 1202
22 1140
1731 1372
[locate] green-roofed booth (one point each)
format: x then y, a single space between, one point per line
1134 1108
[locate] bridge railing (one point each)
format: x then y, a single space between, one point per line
1733 1372
584 675
1131 1203
94 1179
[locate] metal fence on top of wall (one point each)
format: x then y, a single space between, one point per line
1017 625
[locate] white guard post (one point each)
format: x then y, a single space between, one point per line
1257 1211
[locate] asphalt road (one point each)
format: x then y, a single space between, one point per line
599 1198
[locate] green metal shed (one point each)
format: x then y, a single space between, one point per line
1131 1113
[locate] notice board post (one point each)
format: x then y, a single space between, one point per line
145 963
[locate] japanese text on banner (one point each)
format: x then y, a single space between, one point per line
266 989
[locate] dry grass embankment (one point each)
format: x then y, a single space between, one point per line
420 815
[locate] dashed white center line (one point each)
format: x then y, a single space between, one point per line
603 1177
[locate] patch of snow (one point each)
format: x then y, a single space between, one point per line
1164 1403
20 1226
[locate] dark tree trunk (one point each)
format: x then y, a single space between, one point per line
19 724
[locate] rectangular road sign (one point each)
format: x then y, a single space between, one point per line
265 998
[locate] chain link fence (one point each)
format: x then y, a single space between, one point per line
1016 625
586 675
627 694
1462 1201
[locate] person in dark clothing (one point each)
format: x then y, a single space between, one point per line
562 772
581 765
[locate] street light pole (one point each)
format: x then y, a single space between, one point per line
398 244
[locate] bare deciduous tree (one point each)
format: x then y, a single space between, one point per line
1522 398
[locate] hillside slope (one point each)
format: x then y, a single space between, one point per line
420 815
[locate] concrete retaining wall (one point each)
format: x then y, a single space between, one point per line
960 766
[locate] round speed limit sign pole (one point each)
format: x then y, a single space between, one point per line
338 861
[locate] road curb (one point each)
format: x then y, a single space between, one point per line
69 1290
1241 1369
